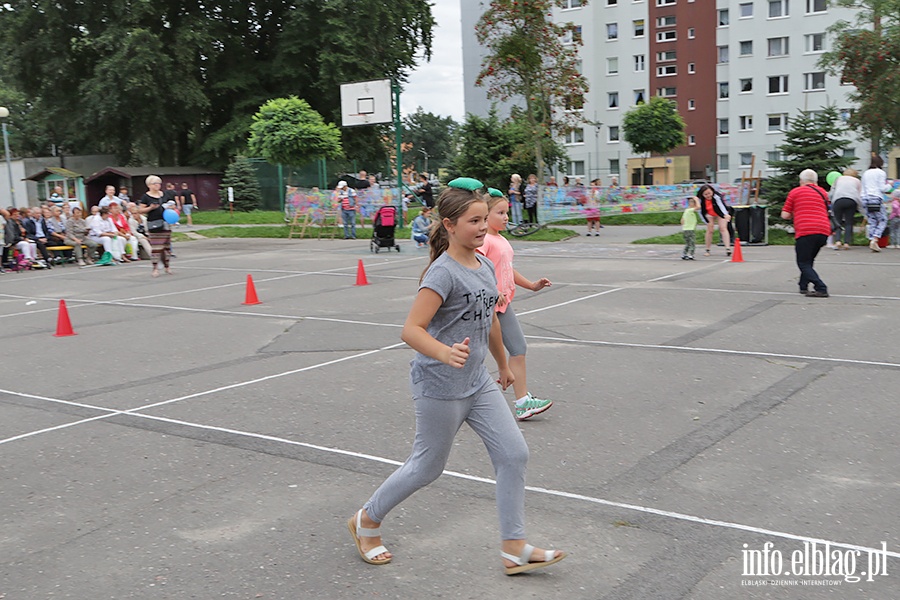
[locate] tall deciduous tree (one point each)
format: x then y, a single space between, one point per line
176 82
528 59
288 131
432 134
866 53
654 126
812 141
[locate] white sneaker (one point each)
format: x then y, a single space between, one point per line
873 245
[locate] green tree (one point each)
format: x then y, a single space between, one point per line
241 176
491 150
432 134
866 53
288 131
812 141
171 82
654 126
527 59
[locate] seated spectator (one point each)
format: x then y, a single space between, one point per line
104 232
138 225
36 232
421 227
77 234
95 214
110 197
14 239
121 222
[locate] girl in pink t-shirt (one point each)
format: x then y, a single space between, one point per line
500 252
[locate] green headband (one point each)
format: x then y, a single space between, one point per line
495 193
466 183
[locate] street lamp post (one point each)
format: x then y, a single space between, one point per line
4 112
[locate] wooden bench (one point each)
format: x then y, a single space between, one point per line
63 248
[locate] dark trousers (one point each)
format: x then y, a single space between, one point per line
844 210
807 247
531 213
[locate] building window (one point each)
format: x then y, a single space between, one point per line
612 65
777 122
576 136
723 55
778 84
572 4
664 2
723 17
746 48
666 70
575 168
723 126
666 56
639 63
612 2
746 122
778 8
667 21
572 35
778 46
692 140
691 33
639 96
814 82
666 36
667 92
771 157
613 99
816 6
845 114
692 68
612 31
722 160
746 9
614 166
612 133
815 42
692 105
723 90
746 159
746 85
638 28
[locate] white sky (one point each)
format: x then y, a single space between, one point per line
437 86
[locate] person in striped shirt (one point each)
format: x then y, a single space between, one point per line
807 206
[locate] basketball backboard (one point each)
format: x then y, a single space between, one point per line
366 103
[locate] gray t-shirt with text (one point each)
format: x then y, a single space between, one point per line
469 297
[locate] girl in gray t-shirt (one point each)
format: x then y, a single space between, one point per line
451 326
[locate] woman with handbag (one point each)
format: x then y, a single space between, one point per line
157 229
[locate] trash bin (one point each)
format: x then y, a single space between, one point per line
750 223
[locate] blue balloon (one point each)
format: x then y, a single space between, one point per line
170 216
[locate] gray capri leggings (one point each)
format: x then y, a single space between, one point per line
513 338
437 422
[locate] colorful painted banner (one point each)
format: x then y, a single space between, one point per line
316 203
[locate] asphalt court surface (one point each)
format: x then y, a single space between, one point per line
184 445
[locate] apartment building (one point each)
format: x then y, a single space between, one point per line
738 71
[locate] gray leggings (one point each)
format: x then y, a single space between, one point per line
513 338
437 422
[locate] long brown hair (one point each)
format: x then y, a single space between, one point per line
451 204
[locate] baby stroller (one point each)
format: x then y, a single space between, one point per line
384 223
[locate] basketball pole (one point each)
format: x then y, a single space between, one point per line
398 139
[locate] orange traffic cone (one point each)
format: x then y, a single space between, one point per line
738 256
63 324
361 274
251 292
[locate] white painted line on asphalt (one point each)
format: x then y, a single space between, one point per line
110 412
714 351
538 490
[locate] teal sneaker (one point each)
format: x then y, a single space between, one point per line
532 406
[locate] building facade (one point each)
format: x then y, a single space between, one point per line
738 71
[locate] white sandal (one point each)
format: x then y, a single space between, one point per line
523 563
358 531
